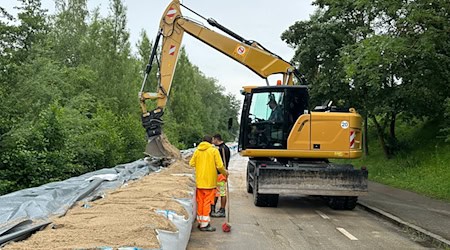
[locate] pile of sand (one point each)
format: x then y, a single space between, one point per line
159 146
125 217
171 150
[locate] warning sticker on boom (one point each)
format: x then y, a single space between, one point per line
240 50
171 13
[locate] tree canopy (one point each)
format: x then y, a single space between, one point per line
68 94
386 58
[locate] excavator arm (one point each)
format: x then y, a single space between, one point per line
172 27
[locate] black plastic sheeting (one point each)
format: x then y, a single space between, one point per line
29 209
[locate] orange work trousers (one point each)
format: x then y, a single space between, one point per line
205 198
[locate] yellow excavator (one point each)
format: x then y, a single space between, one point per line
288 145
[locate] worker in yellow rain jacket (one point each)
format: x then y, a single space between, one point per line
206 161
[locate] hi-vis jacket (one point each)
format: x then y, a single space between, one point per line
206 161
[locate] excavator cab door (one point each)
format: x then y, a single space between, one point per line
268 115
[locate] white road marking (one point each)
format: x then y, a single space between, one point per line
324 216
344 232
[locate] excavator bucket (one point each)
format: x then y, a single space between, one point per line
155 148
159 146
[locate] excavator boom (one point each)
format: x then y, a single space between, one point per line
172 27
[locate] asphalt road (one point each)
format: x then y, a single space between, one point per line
297 223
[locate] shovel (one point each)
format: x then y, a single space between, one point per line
226 227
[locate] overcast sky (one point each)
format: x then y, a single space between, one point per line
259 20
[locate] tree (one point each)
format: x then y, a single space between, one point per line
368 54
373 65
319 43
69 33
68 94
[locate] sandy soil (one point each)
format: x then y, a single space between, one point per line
125 217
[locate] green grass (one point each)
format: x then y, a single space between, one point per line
422 166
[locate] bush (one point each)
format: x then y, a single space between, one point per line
446 126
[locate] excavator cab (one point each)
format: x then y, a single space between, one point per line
269 114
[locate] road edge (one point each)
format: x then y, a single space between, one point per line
432 238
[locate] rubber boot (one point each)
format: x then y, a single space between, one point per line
213 210
220 213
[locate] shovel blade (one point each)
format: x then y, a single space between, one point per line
155 147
